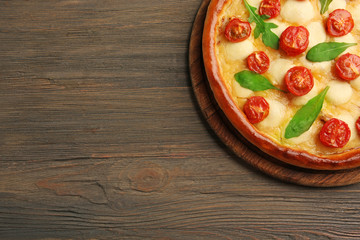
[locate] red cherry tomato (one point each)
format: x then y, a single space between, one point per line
299 80
256 109
347 67
258 62
294 40
339 23
357 125
270 8
237 30
335 133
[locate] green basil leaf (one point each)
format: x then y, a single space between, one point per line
324 5
269 38
327 51
253 81
305 116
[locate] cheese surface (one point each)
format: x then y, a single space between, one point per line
343 98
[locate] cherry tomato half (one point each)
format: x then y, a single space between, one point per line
270 8
339 23
299 80
347 67
357 125
237 30
256 109
335 133
258 62
294 40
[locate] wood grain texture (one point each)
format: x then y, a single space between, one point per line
101 136
238 144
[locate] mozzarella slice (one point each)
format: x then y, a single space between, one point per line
278 69
339 93
276 115
240 50
239 91
317 33
356 83
319 66
254 3
350 120
281 26
298 12
305 137
336 4
348 38
302 100
356 16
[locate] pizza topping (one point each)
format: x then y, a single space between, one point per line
237 30
294 40
357 125
324 5
278 69
347 67
305 116
317 33
256 109
339 23
340 92
356 16
327 51
270 8
335 133
299 80
253 81
269 38
238 51
298 12
258 62
336 4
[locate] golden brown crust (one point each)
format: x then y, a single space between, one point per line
345 160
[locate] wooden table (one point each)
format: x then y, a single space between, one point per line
101 136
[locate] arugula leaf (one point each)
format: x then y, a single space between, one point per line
253 81
269 38
327 51
324 5
305 116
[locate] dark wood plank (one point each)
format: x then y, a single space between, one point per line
101 136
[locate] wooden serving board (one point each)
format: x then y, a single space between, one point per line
235 142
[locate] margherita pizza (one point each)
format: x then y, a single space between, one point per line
286 73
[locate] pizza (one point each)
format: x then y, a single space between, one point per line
286 74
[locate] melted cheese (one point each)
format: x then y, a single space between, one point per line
240 50
316 66
339 93
356 16
278 69
239 91
305 137
356 83
275 117
350 120
317 33
336 4
281 26
298 12
254 3
348 38
304 99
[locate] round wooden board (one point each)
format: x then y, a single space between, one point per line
236 143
